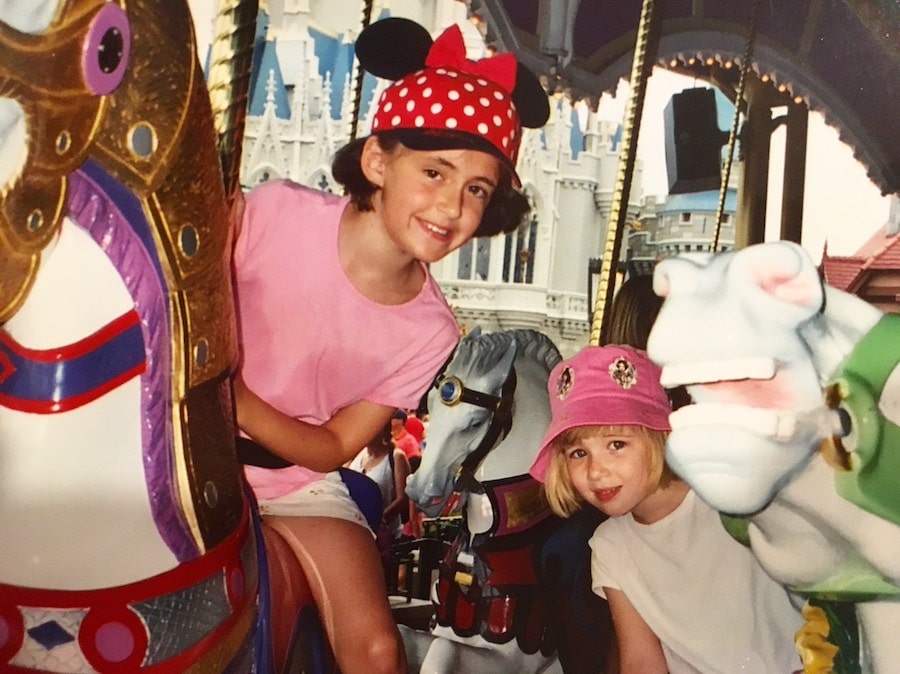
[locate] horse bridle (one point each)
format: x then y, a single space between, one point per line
452 391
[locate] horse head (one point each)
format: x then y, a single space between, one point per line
751 335
114 268
487 412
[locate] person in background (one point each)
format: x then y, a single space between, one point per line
415 427
325 284
402 438
634 310
386 465
684 595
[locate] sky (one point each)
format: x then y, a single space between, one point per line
842 205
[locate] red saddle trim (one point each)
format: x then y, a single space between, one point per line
110 608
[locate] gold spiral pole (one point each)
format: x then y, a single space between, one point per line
228 81
359 74
645 47
733 133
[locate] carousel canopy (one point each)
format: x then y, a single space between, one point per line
842 57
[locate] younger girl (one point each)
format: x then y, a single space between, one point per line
684 596
341 322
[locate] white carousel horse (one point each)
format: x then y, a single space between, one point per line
757 339
487 414
126 541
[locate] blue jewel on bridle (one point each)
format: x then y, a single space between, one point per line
452 391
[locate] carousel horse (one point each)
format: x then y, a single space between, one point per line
488 411
795 426
127 538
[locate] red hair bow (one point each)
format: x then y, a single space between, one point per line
450 50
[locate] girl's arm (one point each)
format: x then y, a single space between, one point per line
639 649
323 448
401 472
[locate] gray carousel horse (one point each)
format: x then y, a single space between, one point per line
488 412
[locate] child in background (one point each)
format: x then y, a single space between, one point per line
684 595
325 286
387 466
403 439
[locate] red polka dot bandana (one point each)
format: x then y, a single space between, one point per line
454 94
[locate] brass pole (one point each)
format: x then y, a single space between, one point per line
645 49
732 136
228 81
360 74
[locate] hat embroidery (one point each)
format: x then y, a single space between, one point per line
622 371
565 382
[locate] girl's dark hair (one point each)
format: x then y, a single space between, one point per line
504 213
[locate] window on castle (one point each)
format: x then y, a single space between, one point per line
469 269
518 253
464 264
482 258
685 217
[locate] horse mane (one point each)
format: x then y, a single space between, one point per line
529 343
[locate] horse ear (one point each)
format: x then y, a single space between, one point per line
506 362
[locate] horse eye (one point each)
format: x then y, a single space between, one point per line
478 420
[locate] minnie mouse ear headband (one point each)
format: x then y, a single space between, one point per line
442 100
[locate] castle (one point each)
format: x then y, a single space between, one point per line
304 95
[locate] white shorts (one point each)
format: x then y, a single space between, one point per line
327 497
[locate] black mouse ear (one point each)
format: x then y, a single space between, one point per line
393 48
531 100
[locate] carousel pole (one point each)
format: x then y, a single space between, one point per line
645 48
228 81
739 98
360 74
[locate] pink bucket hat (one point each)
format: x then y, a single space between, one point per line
603 386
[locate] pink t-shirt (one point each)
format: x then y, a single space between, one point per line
311 342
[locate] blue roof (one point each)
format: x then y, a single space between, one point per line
576 138
699 201
616 138
268 61
265 59
335 56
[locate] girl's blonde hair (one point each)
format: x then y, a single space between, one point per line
561 495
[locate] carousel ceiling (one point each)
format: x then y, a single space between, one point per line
842 57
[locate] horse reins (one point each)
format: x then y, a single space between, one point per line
452 391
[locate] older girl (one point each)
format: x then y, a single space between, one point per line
341 322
